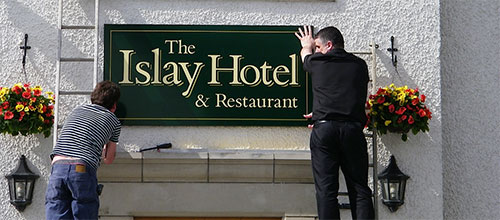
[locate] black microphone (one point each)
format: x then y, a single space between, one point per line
160 146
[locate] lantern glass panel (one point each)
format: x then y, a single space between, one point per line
12 189
394 190
385 189
20 186
403 188
29 189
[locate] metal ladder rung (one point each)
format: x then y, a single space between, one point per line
75 92
360 52
77 59
77 27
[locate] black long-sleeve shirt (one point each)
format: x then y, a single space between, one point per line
339 81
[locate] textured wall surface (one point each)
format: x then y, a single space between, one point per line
470 82
414 24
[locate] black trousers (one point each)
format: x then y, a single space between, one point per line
341 144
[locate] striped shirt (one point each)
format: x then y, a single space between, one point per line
86 130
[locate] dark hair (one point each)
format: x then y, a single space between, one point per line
106 94
331 34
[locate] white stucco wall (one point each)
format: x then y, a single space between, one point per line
415 25
470 82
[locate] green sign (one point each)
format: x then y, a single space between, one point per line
207 75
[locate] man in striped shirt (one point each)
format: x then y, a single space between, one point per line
88 136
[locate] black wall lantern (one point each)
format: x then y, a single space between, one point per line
393 184
21 184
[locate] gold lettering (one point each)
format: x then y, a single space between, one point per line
156 66
173 77
171 46
143 72
219 95
191 78
294 70
265 73
191 49
280 70
214 80
127 56
243 75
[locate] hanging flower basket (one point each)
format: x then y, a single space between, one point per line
25 110
398 110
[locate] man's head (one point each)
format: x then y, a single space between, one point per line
327 39
106 94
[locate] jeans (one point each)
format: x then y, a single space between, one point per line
72 191
334 145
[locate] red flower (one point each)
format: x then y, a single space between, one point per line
380 90
409 107
414 101
367 104
8 115
410 120
37 92
401 110
17 89
26 85
422 97
21 115
380 100
26 95
422 113
5 105
428 113
391 108
48 114
401 119
44 108
33 99
46 121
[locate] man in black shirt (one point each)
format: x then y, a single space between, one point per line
339 81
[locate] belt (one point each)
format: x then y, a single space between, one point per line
325 121
70 161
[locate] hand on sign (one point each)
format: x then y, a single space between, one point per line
306 37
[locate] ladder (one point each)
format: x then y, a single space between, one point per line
370 135
58 92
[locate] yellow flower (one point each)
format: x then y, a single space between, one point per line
19 108
401 98
387 122
374 113
41 118
40 128
49 93
387 103
26 109
40 108
3 98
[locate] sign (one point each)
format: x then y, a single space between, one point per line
207 75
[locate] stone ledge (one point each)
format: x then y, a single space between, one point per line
232 166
